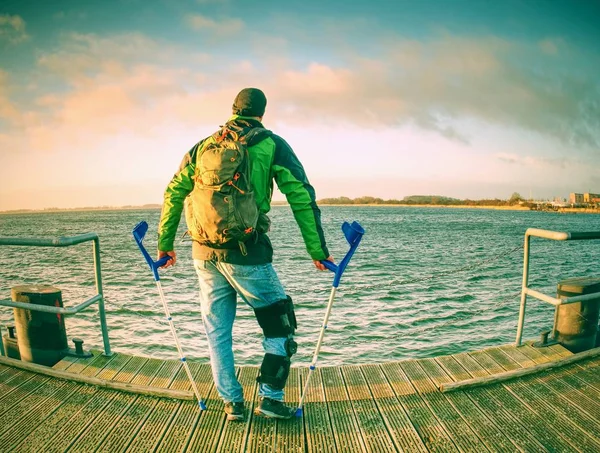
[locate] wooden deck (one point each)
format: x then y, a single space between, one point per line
390 407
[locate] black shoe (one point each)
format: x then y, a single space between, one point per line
234 411
274 409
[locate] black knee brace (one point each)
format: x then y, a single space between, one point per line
274 371
277 320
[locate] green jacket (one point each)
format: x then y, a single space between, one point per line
272 159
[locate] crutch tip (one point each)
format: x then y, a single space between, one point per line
202 405
298 412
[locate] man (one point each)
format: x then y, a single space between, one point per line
228 267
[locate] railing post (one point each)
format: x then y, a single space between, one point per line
523 291
101 313
2 352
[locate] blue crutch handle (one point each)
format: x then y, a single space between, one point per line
139 231
353 233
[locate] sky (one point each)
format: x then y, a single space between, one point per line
99 101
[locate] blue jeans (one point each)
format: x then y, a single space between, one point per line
258 286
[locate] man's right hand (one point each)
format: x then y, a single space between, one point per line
171 262
320 265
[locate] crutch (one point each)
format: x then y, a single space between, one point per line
353 233
138 234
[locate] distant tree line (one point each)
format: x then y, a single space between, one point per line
434 200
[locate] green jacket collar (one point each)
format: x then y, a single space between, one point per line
245 118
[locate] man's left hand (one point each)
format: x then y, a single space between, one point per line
320 266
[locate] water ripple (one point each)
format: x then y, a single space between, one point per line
401 297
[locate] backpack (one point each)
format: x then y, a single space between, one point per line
221 210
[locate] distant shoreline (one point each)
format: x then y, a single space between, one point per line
280 203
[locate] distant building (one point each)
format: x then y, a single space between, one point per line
591 198
576 198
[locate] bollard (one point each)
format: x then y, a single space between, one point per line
577 324
42 336
11 346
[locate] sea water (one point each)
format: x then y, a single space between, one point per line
424 282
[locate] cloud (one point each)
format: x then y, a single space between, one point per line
551 46
438 82
535 162
111 84
8 110
228 26
12 29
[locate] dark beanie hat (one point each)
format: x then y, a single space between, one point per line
250 102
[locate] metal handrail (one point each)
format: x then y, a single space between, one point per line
98 297
526 291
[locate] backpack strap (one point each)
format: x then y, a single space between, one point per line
249 135
256 135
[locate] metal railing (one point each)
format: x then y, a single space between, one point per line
98 298
526 291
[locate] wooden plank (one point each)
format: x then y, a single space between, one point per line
499 405
503 359
31 411
181 428
140 411
398 423
577 429
423 419
589 363
65 363
146 374
205 437
586 381
460 432
559 350
202 375
480 423
166 374
576 394
130 370
343 420
185 422
504 368
3 369
372 426
588 375
142 388
70 431
534 354
155 426
262 431
553 421
289 435
498 398
22 390
234 436
318 429
554 352
489 365
114 366
12 379
119 438
118 412
518 356
82 363
42 429
103 423
97 365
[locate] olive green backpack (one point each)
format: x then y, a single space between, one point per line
221 210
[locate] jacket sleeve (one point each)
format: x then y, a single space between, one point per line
178 189
293 183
